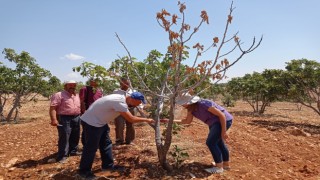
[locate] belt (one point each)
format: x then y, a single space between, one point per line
69 115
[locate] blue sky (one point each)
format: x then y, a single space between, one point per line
62 34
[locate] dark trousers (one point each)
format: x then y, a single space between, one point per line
69 135
216 145
96 137
120 124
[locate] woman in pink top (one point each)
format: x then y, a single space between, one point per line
64 113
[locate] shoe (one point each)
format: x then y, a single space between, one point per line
130 143
226 168
62 160
87 175
119 143
75 153
214 170
115 168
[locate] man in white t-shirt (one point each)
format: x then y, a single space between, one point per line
95 126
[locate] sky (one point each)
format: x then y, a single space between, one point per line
62 34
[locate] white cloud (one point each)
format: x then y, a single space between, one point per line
73 57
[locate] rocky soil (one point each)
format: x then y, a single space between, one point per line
284 143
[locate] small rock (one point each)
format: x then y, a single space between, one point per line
12 168
11 162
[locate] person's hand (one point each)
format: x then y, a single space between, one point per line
150 121
54 122
224 136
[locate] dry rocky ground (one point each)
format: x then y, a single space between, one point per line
284 143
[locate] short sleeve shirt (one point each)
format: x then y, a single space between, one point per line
105 109
207 117
66 103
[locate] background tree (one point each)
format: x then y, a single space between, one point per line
303 82
258 89
49 87
103 77
23 83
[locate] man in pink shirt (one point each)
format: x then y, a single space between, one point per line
64 113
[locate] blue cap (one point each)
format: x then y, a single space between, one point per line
138 96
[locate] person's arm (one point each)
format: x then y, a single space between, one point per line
222 119
134 119
53 115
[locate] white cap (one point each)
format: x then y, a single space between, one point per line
187 99
70 82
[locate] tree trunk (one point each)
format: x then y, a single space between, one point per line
162 155
15 107
163 149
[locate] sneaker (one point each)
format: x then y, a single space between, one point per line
62 160
214 170
114 168
87 175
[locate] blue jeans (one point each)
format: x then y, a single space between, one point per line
217 147
69 135
96 137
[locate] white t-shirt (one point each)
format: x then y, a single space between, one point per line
105 109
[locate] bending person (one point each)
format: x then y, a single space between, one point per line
218 120
95 125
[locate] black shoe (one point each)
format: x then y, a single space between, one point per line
75 153
87 175
118 143
114 168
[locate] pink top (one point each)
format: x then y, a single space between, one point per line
67 104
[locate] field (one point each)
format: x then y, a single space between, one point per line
284 143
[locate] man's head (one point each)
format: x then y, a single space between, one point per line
135 99
70 86
124 83
93 82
